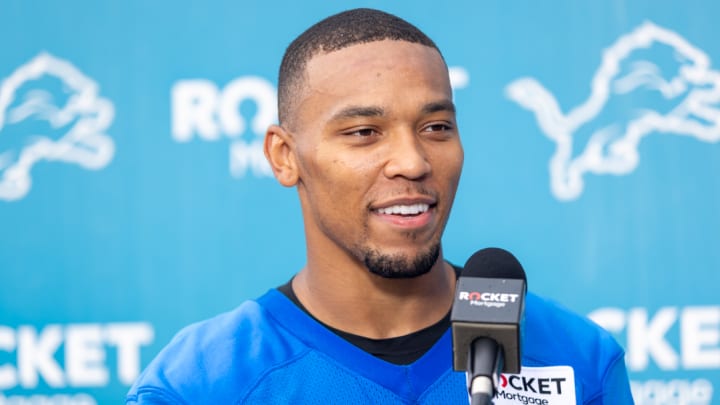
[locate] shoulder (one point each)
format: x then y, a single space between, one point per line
554 335
565 330
224 355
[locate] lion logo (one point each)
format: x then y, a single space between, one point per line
650 81
50 111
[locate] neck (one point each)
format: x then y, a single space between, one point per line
352 299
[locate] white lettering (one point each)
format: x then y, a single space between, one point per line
85 356
673 392
198 106
8 377
194 103
252 88
58 399
648 339
35 355
464 295
459 77
499 297
700 337
248 156
129 338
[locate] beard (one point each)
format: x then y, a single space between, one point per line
400 266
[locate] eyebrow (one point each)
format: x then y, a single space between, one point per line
357 111
371 111
439 106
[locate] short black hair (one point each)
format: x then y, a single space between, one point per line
336 32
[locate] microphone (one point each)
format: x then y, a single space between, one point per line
487 320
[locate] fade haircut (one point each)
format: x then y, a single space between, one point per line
334 33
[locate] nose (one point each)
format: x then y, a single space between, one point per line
407 157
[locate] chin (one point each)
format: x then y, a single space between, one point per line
398 265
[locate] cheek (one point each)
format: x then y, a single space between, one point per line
352 165
333 181
449 164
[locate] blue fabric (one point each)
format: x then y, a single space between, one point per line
269 351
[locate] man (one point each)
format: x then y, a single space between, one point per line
368 137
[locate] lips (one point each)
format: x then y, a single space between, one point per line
406 205
407 213
404 209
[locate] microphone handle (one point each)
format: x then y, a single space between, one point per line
481 399
485 363
481 390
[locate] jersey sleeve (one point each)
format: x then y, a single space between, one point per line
615 386
152 396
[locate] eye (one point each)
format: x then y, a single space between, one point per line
438 129
361 132
438 126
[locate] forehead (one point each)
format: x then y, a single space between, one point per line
372 74
374 57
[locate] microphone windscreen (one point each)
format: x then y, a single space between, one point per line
493 263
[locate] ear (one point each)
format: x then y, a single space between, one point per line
280 153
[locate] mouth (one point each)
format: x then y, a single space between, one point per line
408 214
404 209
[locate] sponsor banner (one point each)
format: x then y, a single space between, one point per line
71 360
676 340
201 109
133 184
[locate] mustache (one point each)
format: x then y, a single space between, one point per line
409 189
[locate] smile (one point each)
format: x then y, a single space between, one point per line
413 209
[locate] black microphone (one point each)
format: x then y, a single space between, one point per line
487 320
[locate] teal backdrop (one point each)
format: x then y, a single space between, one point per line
134 197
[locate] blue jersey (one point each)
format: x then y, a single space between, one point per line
269 351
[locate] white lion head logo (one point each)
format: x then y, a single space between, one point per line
601 135
50 111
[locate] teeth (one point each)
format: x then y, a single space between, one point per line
413 209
